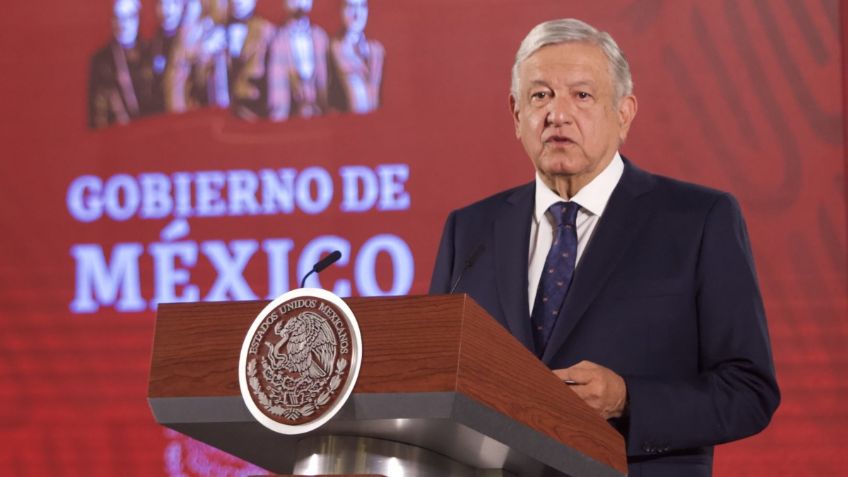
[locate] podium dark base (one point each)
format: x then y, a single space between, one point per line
322 475
356 455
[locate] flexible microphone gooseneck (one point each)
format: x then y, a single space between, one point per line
468 264
322 264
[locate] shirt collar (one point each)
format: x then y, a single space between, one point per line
593 197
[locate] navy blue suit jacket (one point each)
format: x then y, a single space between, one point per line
665 295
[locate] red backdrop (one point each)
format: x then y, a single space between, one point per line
742 96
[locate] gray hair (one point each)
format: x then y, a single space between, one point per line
571 30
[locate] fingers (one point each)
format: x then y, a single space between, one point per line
581 373
599 387
564 375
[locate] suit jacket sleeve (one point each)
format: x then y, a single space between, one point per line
735 393
443 270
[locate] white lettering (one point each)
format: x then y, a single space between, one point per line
230 283
99 283
356 199
182 190
116 282
209 186
84 201
241 192
156 196
278 265
403 266
118 186
393 196
168 275
320 180
277 191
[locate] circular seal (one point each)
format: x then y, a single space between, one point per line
300 360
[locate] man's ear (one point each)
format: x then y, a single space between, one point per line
627 107
513 109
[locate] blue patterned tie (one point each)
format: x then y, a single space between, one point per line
557 274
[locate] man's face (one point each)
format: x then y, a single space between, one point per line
298 8
170 12
355 15
565 114
242 9
125 21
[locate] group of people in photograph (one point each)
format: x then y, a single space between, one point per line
219 53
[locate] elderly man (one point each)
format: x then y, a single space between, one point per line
117 85
297 66
639 291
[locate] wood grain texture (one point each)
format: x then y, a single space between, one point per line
196 348
411 345
498 371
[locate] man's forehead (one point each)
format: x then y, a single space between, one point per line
570 53
571 63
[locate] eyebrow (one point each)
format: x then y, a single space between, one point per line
539 83
578 83
582 83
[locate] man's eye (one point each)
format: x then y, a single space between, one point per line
583 95
539 95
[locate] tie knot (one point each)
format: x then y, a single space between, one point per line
564 213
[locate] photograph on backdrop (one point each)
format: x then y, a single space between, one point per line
221 54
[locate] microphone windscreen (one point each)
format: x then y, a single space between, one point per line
327 261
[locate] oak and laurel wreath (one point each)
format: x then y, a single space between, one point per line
294 413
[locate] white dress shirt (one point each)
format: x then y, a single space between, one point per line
302 49
593 198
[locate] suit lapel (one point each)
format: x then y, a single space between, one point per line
621 222
511 243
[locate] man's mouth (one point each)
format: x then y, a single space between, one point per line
559 140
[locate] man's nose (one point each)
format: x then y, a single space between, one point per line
559 111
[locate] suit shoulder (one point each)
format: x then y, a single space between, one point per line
688 195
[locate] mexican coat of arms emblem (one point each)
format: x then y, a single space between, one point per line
300 360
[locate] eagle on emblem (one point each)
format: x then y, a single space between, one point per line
310 346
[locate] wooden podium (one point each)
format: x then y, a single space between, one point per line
438 374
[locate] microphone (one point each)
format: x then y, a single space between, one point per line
325 262
472 259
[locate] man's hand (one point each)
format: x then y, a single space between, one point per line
599 387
